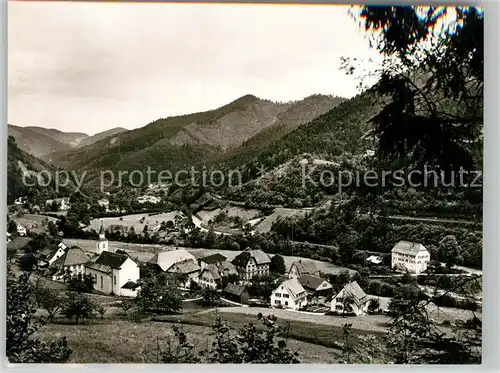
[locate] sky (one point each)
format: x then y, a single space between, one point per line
89 67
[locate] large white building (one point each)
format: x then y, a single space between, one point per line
252 263
289 294
113 273
410 256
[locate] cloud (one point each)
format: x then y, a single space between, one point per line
94 66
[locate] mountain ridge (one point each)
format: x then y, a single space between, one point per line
180 140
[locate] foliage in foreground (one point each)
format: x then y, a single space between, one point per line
22 345
246 346
414 338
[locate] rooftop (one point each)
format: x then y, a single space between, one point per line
406 247
212 259
310 281
72 256
167 259
259 256
293 286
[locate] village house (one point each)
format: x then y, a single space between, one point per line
176 261
314 285
235 293
148 199
211 259
252 263
306 267
21 231
70 264
289 294
410 256
209 276
188 268
374 259
226 269
114 274
350 299
20 201
51 253
104 202
63 203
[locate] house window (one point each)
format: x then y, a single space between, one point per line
277 301
286 303
286 296
277 294
114 280
102 282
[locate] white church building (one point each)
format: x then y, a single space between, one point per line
113 273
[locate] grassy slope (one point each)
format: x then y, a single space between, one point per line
91 342
36 142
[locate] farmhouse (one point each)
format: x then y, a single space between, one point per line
164 260
70 264
252 263
289 294
410 256
350 299
314 285
187 267
300 268
112 273
235 293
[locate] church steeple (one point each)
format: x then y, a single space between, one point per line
102 243
102 234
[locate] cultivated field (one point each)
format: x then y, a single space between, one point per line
128 221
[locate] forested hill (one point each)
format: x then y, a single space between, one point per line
194 139
340 130
21 163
